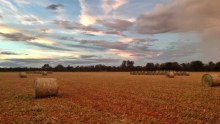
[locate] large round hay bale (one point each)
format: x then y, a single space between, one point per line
170 74
45 87
210 80
23 75
44 73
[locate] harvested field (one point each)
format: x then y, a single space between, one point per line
110 98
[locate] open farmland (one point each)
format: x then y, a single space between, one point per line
110 98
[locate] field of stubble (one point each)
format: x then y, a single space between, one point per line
110 98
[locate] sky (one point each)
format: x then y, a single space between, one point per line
90 32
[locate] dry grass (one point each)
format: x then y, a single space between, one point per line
110 98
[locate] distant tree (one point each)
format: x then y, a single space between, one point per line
186 66
59 68
197 66
46 67
217 66
150 67
210 67
171 66
69 68
127 65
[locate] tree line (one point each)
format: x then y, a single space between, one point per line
125 66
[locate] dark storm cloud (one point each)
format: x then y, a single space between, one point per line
17 37
55 6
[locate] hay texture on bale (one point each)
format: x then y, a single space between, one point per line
170 74
209 80
44 73
45 87
23 75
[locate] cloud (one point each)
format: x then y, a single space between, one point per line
85 18
74 25
9 53
8 6
22 1
200 15
29 20
116 24
87 56
56 48
177 52
55 6
17 37
6 29
110 5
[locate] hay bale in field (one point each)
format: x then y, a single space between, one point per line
135 72
210 80
170 74
152 72
186 74
44 73
145 73
23 75
45 87
160 73
182 73
177 73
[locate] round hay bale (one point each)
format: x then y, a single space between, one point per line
177 73
152 72
170 74
146 73
45 87
44 73
186 74
135 73
181 73
209 80
23 75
